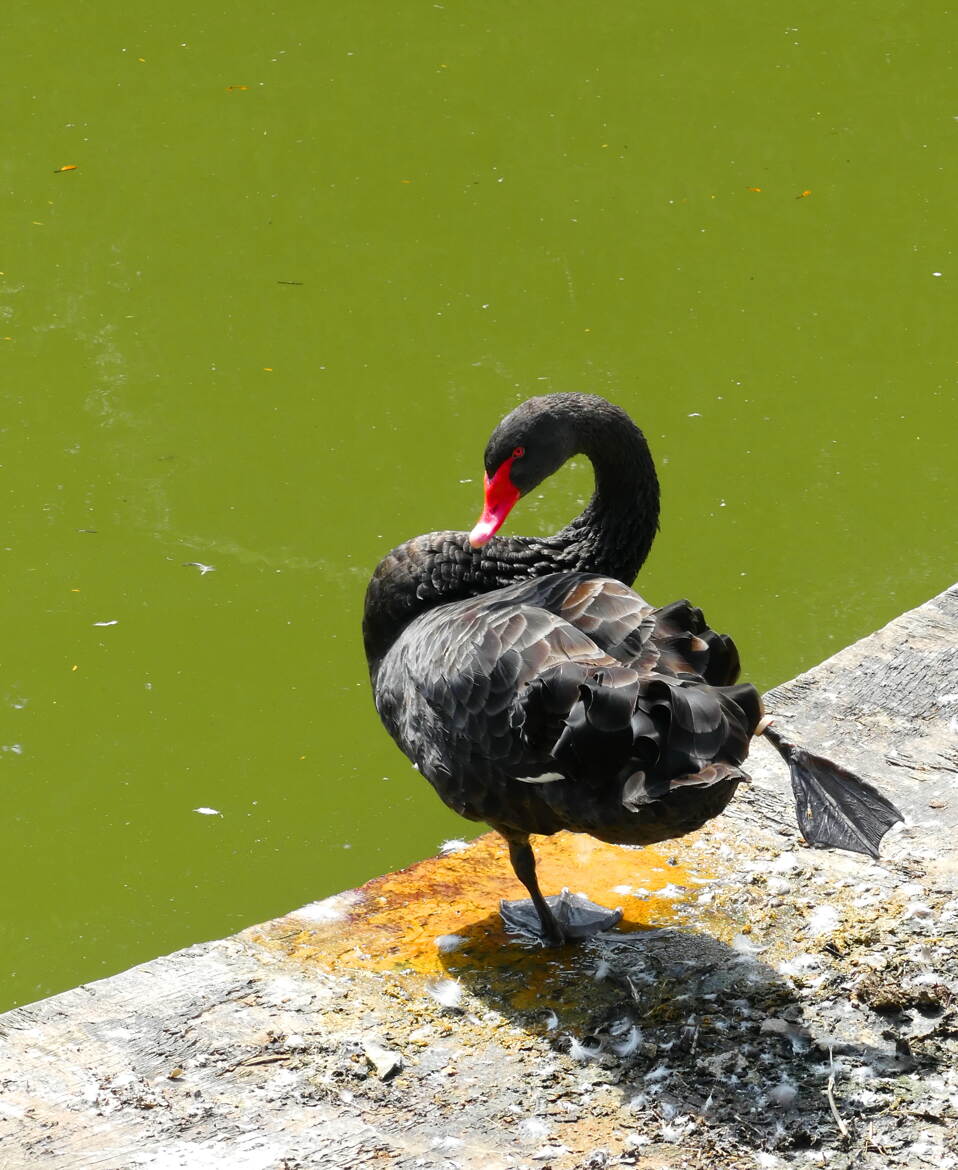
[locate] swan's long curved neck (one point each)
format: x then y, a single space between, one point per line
614 533
612 536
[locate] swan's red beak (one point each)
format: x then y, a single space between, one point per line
501 494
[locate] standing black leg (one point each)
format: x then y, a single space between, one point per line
524 863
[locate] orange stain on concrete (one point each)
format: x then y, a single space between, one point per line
392 922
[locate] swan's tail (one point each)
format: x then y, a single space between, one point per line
835 808
652 733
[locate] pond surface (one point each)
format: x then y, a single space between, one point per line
259 334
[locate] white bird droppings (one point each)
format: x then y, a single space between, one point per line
823 920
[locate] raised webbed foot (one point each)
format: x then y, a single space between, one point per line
835 808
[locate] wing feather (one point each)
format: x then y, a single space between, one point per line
572 688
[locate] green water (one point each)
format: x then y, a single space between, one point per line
268 328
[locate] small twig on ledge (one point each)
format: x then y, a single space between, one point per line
263 1058
830 1094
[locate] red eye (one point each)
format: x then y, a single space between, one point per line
518 452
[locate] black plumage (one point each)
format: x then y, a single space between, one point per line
534 689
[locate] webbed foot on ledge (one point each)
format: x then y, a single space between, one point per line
575 917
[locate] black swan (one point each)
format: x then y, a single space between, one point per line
537 692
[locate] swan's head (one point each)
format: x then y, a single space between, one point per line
528 446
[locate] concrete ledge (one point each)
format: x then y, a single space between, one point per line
763 1005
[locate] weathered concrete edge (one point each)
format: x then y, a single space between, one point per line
893 719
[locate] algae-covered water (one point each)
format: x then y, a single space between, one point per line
267 280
